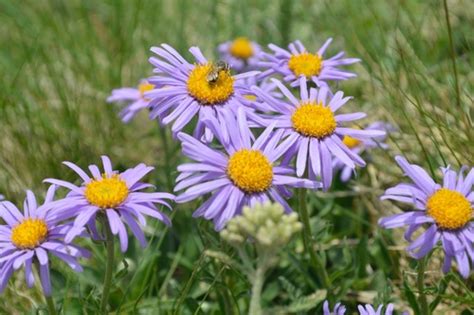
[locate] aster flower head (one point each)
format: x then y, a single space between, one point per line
313 132
359 146
244 173
193 90
116 195
241 53
134 98
297 62
367 309
31 237
445 210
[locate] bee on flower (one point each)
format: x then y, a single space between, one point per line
297 62
134 98
445 210
194 90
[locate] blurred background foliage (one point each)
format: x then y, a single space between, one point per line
59 60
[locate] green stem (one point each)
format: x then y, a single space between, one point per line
167 153
109 245
49 299
51 307
257 286
420 282
308 241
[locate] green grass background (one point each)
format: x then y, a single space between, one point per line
59 60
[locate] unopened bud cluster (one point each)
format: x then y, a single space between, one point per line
266 224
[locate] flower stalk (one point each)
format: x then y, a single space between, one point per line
109 245
308 240
420 282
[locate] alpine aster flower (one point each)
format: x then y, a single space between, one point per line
194 90
134 97
30 237
359 146
117 195
241 53
339 309
367 309
312 130
299 63
446 210
243 175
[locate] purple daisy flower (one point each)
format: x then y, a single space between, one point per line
446 210
298 62
30 237
134 97
359 146
367 309
241 53
312 130
245 174
339 309
194 90
116 195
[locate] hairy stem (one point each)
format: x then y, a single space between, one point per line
51 307
109 245
420 282
258 279
308 240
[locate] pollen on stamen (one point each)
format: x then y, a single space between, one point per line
29 234
250 171
106 192
314 120
305 64
210 93
450 209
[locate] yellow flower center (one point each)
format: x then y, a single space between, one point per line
314 120
449 208
250 170
241 48
305 64
210 93
107 192
29 234
350 142
145 87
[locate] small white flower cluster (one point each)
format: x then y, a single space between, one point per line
266 224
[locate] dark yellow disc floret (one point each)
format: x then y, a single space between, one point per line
29 234
306 64
350 142
450 209
241 48
314 120
106 192
250 170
